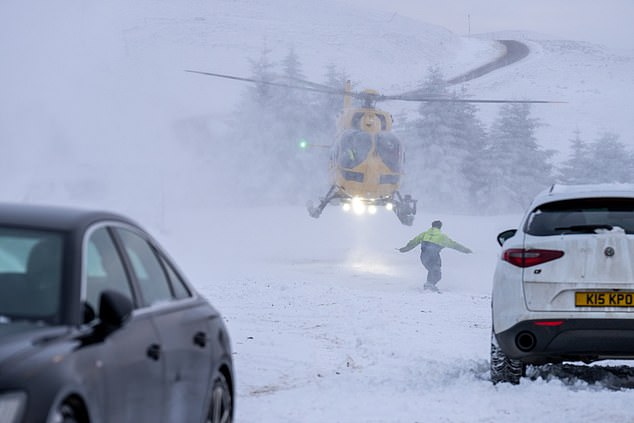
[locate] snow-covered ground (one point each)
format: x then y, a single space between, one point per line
328 321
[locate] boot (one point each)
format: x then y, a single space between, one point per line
430 287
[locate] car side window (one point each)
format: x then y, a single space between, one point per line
31 273
152 279
180 288
104 268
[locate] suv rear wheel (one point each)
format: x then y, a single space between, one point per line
503 368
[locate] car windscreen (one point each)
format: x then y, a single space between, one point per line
580 216
30 274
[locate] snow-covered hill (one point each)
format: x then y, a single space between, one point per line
588 77
82 84
392 53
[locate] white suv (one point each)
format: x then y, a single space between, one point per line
563 289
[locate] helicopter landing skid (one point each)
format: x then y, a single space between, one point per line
404 207
316 211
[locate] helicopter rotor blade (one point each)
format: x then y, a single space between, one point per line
313 84
320 88
316 88
460 100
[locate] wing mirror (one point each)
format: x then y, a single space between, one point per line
503 236
114 308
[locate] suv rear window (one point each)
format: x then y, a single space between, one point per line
581 216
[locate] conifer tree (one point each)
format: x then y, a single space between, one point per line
293 123
443 146
611 161
476 146
577 169
261 70
271 123
518 167
328 106
252 160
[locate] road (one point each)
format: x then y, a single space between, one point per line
514 52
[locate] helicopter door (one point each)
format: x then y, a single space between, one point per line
354 148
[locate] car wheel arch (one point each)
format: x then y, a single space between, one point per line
77 403
226 372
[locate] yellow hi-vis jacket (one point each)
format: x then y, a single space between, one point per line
435 236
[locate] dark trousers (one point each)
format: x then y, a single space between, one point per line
430 258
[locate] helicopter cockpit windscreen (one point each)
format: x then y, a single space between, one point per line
355 146
389 149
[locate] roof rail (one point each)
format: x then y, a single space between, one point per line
601 187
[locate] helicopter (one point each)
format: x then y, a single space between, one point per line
366 163
366 160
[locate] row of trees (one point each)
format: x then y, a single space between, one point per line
604 160
460 164
454 161
271 123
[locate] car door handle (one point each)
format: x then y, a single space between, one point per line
154 352
200 339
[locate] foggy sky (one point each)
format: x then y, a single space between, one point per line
605 22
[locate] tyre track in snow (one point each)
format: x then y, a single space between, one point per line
611 377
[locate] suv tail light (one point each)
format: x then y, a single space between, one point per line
525 258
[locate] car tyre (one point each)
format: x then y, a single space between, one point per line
221 402
503 368
64 413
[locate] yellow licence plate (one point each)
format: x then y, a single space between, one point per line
604 299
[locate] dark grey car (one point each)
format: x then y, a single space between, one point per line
97 324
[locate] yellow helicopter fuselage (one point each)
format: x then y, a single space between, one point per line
367 161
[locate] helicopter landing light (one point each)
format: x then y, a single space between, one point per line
358 206
346 207
372 209
389 206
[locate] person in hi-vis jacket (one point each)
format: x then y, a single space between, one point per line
432 241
